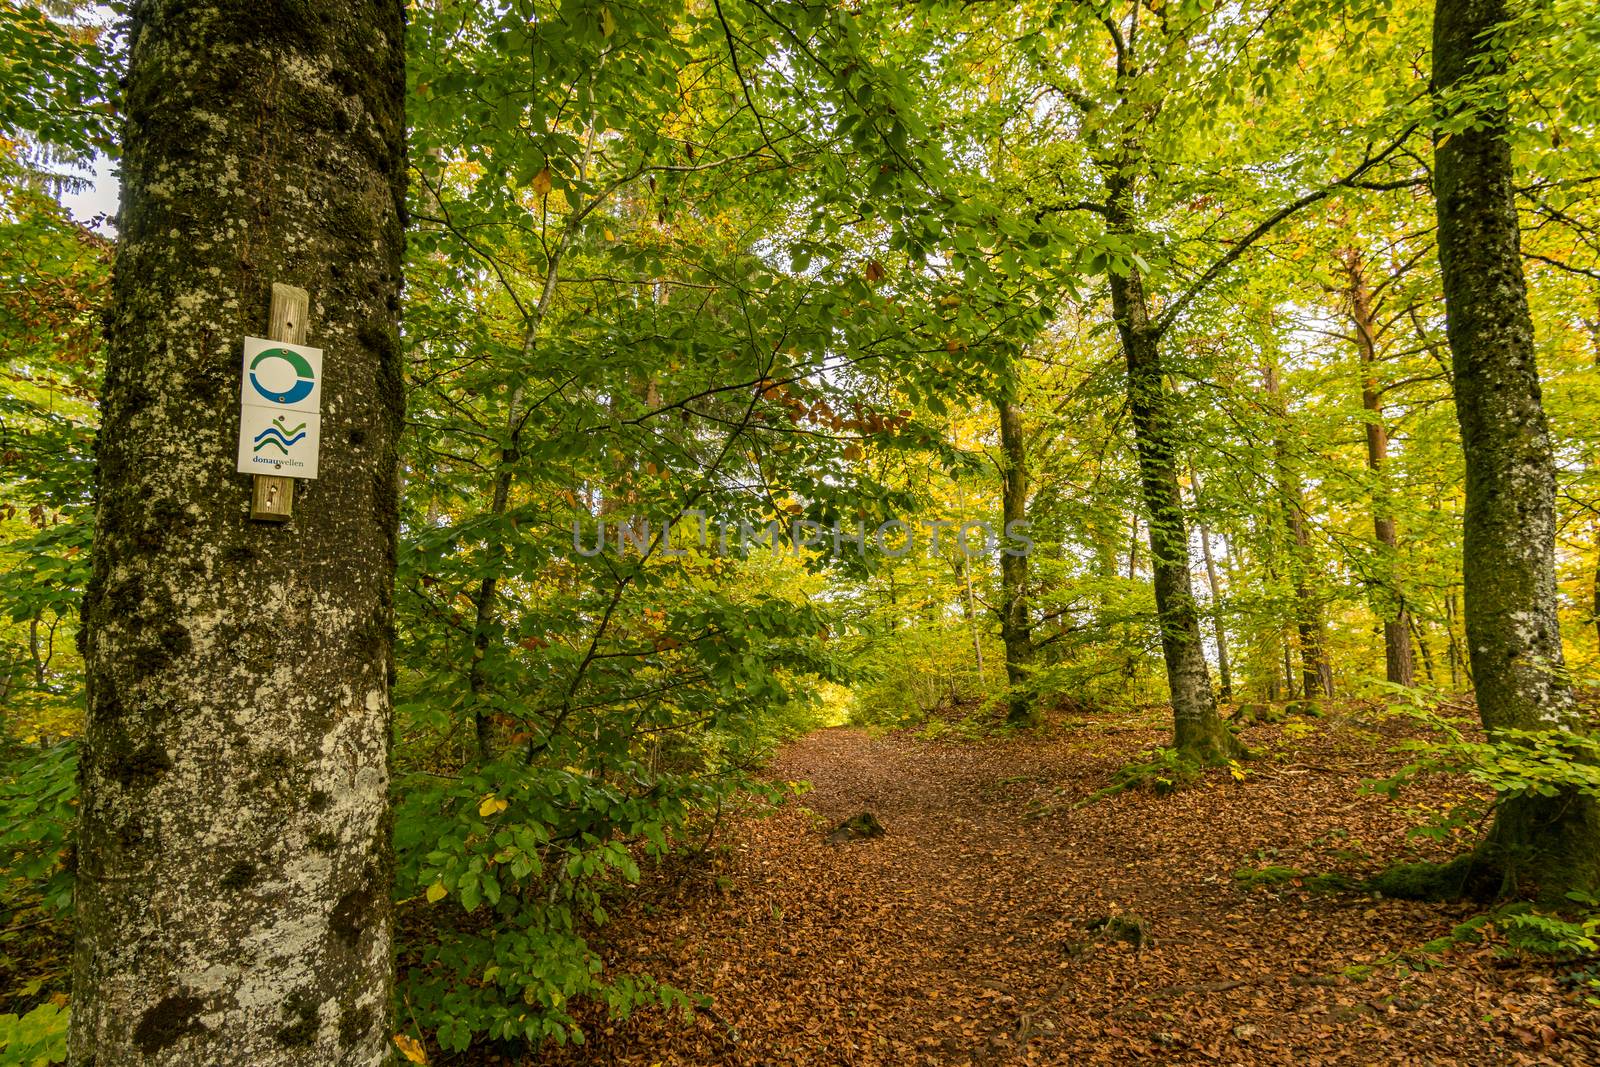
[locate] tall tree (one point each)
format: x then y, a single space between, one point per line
1219 626
1136 115
234 858
1197 729
1593 327
1015 626
1513 634
1315 671
1398 666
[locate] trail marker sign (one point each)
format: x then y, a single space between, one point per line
280 409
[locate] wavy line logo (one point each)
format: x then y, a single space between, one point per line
305 378
280 436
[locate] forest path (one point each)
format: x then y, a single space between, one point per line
962 936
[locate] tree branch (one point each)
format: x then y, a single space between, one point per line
1294 207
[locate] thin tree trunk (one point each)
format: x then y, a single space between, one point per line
234 869
36 652
486 602
1198 732
1593 326
970 607
1133 550
1454 650
1015 628
972 624
1318 674
1460 669
1398 666
1513 631
1220 630
1421 637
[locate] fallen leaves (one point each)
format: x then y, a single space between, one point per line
949 940
411 1048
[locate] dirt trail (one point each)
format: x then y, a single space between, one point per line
963 935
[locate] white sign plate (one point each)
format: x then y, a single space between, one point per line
276 440
280 405
281 375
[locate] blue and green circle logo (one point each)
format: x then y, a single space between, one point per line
304 380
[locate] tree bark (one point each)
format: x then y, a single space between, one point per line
234 869
1015 627
1454 648
1593 326
1198 732
1398 665
1513 634
1219 628
1422 648
1316 672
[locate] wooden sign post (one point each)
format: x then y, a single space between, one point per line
273 498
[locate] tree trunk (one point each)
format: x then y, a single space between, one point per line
1219 629
1317 674
1423 650
1454 649
1513 634
1398 666
234 870
1133 550
1198 732
1593 326
1015 628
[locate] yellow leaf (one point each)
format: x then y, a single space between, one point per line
608 22
436 892
411 1048
541 182
492 805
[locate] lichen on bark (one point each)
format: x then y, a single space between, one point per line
239 672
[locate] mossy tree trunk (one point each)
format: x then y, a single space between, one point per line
1198 731
234 863
1513 635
